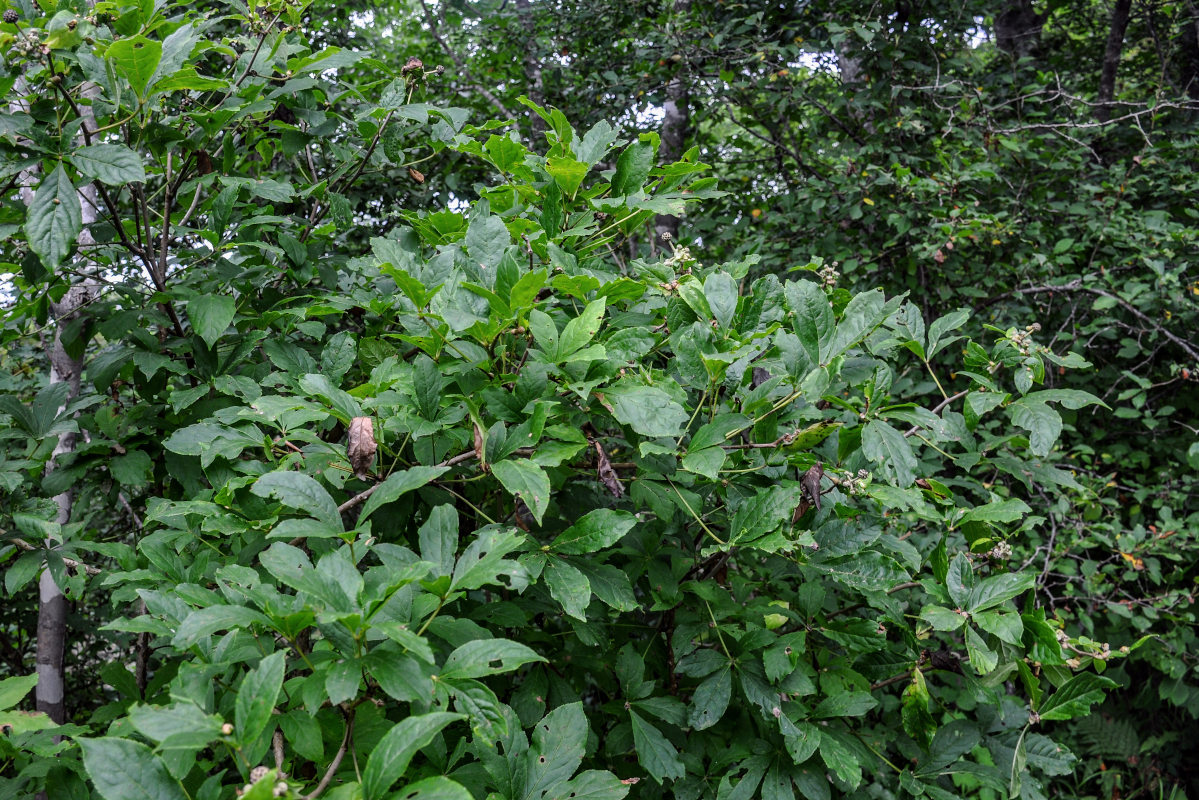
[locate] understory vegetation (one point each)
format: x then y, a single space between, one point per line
533 400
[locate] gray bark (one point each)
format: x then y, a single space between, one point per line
675 125
50 693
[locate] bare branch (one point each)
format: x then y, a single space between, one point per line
431 21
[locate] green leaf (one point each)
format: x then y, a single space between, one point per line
132 469
582 329
427 382
592 785
844 704
596 530
55 218
942 619
567 173
181 725
610 584
840 759
257 696
13 690
813 318
997 589
114 164
889 449
1043 423
210 315
764 512
982 658
917 721
487 239
524 479
569 587
951 742
960 581
632 168
1012 510
486 657
483 560
397 484
654 751
1075 697
124 770
207 621
721 291
137 58
390 757
648 410
1007 625
438 787
559 741
301 492
711 699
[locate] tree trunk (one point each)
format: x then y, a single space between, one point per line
1018 28
675 123
50 694
1111 59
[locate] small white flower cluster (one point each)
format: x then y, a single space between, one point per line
258 773
829 276
1022 340
682 258
1000 552
28 44
856 484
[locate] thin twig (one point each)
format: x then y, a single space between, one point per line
341 753
462 70
70 562
937 409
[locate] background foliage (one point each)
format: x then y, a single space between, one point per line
388 445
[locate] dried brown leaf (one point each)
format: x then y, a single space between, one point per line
362 446
607 475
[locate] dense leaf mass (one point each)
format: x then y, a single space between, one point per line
390 413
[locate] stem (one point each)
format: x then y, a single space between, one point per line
696 517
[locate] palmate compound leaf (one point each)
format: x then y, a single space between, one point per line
126 770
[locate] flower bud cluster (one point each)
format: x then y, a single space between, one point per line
28 44
1022 340
829 276
1000 552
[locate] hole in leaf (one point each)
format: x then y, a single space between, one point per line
541 759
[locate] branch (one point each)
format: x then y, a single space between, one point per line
1076 286
449 462
341 753
462 70
70 562
937 409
